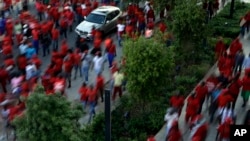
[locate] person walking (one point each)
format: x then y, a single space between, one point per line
68 66
64 26
86 62
111 52
45 41
77 62
170 117
83 94
192 107
98 62
118 79
246 62
223 130
55 37
100 85
199 129
4 75
177 102
234 88
92 97
238 61
174 133
201 91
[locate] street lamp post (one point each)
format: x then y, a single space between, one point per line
107 115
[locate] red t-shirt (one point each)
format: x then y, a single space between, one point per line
9 62
224 131
201 92
224 99
4 76
22 62
111 49
92 95
83 93
64 49
246 83
68 66
192 105
177 101
35 34
99 82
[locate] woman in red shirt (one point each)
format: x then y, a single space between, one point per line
92 99
83 94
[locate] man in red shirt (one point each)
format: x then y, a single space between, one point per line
192 107
177 102
235 47
111 50
64 48
201 92
100 85
64 26
68 66
77 62
4 78
35 41
55 36
220 48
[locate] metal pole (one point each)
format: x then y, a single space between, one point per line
107 115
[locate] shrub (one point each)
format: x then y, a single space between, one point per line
224 26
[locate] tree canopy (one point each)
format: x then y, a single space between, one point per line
149 64
189 21
48 118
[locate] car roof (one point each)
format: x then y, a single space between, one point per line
103 10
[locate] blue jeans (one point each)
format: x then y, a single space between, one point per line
84 103
35 44
110 58
85 72
76 67
91 110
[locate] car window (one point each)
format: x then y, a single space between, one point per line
109 17
95 18
116 13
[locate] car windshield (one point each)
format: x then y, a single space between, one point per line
95 18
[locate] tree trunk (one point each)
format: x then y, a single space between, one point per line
232 8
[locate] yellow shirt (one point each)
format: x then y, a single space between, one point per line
118 78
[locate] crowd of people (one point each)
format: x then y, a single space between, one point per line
219 92
48 30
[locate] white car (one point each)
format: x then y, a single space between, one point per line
103 18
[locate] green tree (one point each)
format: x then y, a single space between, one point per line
189 22
49 118
149 64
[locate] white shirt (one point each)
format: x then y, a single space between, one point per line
120 27
30 71
98 62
